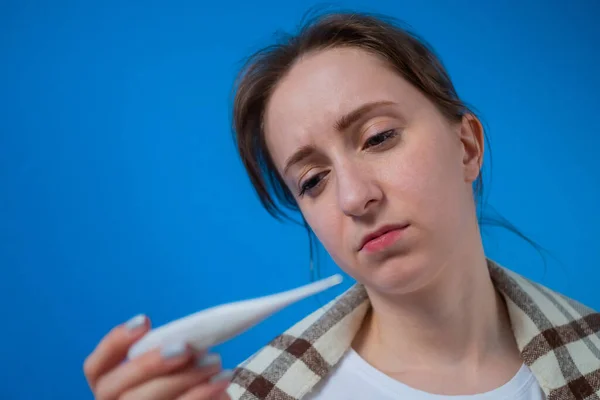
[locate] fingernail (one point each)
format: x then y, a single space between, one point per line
224 375
135 322
173 350
208 360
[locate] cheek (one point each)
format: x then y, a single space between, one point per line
426 181
326 221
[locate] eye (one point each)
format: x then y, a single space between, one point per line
380 138
311 183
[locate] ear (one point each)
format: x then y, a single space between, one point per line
472 141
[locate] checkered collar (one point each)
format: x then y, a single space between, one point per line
559 340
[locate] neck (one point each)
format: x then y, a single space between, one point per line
459 319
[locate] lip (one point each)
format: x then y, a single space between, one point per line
380 232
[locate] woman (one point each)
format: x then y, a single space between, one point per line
355 123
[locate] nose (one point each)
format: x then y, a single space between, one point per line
357 190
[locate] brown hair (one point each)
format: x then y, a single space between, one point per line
411 57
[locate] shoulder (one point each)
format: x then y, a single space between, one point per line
558 337
535 309
294 362
534 299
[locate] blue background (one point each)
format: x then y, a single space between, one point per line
121 191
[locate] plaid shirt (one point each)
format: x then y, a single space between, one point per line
559 340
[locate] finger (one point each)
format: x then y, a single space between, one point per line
224 396
144 368
113 348
217 386
171 386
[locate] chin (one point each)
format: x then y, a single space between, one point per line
399 275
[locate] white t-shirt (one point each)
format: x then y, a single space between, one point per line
355 379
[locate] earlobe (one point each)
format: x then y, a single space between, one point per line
472 139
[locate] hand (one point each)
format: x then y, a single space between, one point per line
175 372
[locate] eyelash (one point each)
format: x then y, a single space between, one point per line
385 135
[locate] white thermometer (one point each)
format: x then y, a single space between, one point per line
213 326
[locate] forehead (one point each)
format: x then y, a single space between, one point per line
323 86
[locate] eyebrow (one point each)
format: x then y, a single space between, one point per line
301 154
343 123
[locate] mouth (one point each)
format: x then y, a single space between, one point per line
382 238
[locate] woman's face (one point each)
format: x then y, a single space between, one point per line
366 153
